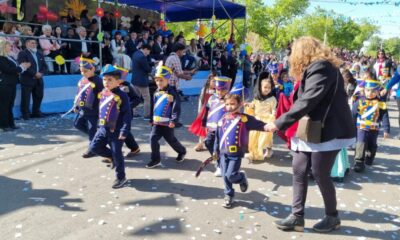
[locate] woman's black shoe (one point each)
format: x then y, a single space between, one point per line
327 224
291 223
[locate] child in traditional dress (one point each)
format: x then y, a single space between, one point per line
215 109
264 105
197 127
231 142
370 112
86 103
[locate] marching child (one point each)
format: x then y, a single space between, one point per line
231 142
86 102
264 105
134 101
370 112
115 118
215 109
165 115
197 127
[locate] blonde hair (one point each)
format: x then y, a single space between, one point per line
3 44
25 29
307 50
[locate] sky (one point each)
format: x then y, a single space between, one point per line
385 16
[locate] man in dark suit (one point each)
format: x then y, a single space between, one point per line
32 79
131 45
81 48
157 51
140 77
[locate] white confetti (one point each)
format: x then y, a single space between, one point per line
217 231
19 226
238 237
101 222
18 235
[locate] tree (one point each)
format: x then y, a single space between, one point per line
340 31
268 21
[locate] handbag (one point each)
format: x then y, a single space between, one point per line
311 131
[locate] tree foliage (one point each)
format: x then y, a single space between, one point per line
340 31
277 24
268 21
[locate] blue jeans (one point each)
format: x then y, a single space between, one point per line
99 144
230 167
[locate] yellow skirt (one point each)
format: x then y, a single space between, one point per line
259 141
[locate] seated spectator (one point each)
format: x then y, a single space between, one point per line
136 25
157 49
84 18
50 47
80 48
107 22
71 16
131 44
63 47
118 51
10 28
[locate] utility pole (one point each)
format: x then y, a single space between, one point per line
232 22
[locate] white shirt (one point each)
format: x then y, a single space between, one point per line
334 144
84 46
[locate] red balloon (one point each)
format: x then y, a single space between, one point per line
117 14
99 12
52 16
43 9
41 17
162 23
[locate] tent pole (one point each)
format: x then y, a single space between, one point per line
100 42
217 28
212 37
226 12
232 22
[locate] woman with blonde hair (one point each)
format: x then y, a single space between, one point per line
320 102
10 28
9 73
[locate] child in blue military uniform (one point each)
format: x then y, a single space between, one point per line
231 143
86 103
134 101
164 118
370 111
115 118
215 109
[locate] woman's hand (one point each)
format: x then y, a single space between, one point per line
270 127
26 65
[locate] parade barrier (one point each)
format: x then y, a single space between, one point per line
60 90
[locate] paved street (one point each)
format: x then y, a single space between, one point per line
47 191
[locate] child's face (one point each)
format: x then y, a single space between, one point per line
265 87
87 73
161 82
110 82
231 105
221 93
212 84
370 93
275 77
285 77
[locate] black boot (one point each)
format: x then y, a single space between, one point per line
327 224
359 166
291 223
370 156
359 157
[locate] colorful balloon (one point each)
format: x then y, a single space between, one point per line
43 9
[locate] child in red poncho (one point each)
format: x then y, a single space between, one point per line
196 127
284 104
